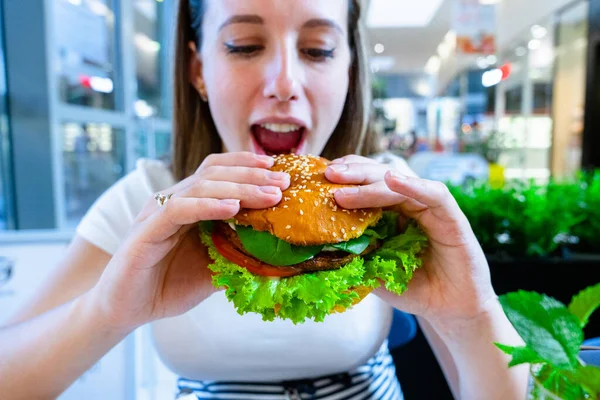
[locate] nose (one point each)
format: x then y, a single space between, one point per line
283 75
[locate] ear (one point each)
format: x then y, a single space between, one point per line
196 75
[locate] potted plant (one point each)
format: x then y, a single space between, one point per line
553 336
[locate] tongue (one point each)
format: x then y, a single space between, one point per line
277 142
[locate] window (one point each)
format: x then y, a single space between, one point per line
93 159
85 44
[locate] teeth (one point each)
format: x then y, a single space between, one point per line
283 128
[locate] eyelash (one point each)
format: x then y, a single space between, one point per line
249 51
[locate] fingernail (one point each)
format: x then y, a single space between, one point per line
398 175
230 202
350 191
338 161
267 159
277 176
339 167
270 189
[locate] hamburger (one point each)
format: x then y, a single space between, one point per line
307 257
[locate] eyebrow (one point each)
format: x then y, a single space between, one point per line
256 19
242 19
322 23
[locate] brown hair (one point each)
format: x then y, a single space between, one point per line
195 133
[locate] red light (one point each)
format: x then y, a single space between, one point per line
85 81
506 70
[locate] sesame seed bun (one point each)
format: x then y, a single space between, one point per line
308 214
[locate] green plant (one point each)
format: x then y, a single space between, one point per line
527 219
553 336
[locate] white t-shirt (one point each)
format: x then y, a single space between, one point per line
212 341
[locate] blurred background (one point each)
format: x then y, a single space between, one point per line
498 98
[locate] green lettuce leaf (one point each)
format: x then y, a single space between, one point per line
396 261
547 327
585 303
315 295
273 250
354 246
386 227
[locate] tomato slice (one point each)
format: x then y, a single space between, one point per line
227 250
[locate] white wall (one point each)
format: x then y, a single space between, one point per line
517 16
33 260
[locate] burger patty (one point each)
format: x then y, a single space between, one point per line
325 260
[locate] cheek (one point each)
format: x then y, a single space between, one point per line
329 97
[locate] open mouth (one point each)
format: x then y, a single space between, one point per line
274 139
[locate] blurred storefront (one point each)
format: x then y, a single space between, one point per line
539 107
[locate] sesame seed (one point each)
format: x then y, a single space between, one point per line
316 203
285 206
353 228
361 220
245 214
333 219
288 238
273 208
343 231
308 191
301 201
288 227
301 212
335 234
321 190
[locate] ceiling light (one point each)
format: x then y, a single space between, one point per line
482 63
379 48
388 14
491 59
433 65
534 44
538 32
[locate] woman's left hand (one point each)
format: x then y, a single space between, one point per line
454 281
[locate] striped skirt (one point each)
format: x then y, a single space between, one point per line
376 380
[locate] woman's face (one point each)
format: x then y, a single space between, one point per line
275 72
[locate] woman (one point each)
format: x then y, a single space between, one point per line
256 76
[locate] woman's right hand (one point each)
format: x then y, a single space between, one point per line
160 270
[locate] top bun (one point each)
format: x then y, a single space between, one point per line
308 214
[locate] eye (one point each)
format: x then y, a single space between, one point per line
248 50
317 54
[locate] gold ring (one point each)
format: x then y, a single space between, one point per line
162 199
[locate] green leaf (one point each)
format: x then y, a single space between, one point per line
273 250
520 355
312 295
354 246
589 378
386 227
557 382
396 260
585 303
546 326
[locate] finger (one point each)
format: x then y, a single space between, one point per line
241 159
434 195
179 212
251 196
247 175
356 173
375 195
353 158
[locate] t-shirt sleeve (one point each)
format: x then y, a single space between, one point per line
109 219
